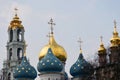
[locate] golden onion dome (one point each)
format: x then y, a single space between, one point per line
58 50
15 23
101 48
115 40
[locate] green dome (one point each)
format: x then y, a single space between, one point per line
25 70
49 63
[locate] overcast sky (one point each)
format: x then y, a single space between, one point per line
87 19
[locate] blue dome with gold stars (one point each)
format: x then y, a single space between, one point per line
49 63
81 67
25 70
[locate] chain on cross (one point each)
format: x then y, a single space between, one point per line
51 25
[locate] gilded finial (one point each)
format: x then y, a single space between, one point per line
80 41
51 25
15 23
115 40
102 48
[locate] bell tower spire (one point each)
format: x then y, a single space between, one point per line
15 45
102 53
114 48
115 40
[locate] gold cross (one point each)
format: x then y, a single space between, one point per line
101 38
16 11
51 25
115 23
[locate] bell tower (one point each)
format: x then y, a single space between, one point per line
114 48
15 46
102 54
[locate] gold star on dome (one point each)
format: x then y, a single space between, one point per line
43 64
52 63
55 60
49 52
59 64
24 61
22 68
19 71
26 71
47 60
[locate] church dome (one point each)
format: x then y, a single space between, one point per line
115 40
15 23
81 67
101 49
25 70
58 50
49 63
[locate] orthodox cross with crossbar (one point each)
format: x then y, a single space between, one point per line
80 42
51 25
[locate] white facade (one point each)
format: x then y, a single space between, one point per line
51 76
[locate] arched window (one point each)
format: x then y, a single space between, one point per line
48 78
11 35
10 54
9 76
19 53
19 35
